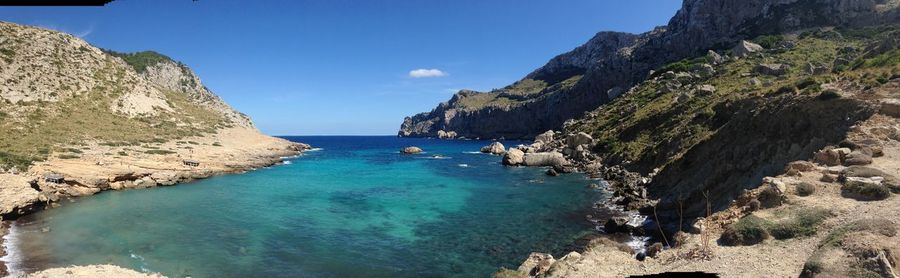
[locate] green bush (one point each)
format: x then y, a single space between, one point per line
829 95
749 230
769 41
140 60
159 152
802 223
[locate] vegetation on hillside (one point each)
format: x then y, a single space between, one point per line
655 124
140 60
42 128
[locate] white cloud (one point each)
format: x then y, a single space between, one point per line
424 73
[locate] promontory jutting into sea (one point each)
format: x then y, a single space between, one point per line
721 138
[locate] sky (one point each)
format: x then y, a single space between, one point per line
341 67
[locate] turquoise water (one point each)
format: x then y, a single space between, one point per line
355 208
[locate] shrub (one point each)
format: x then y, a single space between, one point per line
829 95
804 222
769 197
122 153
805 189
754 205
217 144
68 156
865 191
159 152
749 230
769 41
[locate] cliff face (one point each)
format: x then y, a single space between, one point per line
610 63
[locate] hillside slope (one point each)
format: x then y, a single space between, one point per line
107 120
610 63
792 146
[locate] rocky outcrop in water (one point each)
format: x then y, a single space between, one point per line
600 70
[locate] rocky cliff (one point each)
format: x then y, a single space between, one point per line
610 63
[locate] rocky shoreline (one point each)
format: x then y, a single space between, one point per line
85 177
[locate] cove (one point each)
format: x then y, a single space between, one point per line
354 208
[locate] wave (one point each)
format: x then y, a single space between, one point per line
314 150
436 157
463 165
141 261
473 152
13 257
287 162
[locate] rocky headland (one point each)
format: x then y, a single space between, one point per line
78 120
741 133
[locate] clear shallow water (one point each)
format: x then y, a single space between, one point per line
355 208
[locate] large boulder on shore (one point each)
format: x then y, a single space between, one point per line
411 150
744 48
545 159
579 139
514 157
494 148
545 137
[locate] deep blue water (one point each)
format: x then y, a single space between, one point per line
354 208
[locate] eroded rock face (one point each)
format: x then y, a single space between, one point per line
620 60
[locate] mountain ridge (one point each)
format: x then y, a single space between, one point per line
700 25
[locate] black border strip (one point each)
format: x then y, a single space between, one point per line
54 2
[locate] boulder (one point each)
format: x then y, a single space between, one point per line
857 158
772 69
817 69
545 137
536 264
579 139
714 57
705 70
411 150
513 157
754 82
706 89
744 48
551 172
494 148
801 166
446 134
616 224
828 157
891 107
544 159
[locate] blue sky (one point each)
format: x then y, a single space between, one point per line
347 67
